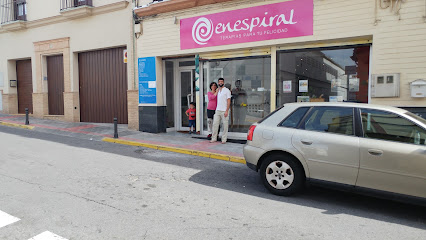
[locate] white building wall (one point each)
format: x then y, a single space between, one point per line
398 41
100 30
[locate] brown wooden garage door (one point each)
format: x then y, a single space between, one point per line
55 83
103 86
25 85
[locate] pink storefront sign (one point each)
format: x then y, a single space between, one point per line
272 21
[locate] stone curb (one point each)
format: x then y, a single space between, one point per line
178 150
17 125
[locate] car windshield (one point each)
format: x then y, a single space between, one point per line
420 119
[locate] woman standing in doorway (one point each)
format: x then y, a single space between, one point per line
211 107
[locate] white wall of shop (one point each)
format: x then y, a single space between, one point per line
398 40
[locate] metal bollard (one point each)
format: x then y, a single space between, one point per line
27 119
115 128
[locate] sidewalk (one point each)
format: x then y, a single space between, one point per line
173 142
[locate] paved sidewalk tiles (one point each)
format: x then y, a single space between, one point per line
172 142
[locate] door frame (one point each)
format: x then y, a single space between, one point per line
178 97
201 94
177 91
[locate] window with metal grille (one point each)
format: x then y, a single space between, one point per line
13 10
67 4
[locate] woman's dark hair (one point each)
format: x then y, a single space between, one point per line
213 83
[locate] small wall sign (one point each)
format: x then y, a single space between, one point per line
13 83
147 80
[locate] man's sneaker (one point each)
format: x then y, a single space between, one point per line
209 137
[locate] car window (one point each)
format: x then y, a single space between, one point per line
417 117
330 119
392 127
272 113
294 119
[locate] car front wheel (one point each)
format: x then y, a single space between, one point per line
282 175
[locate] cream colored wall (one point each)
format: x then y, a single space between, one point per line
398 41
98 3
39 9
106 30
42 8
400 47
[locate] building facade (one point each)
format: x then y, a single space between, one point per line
68 60
144 62
273 52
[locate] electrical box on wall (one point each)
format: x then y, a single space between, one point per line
385 85
418 88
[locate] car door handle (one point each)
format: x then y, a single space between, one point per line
375 152
306 142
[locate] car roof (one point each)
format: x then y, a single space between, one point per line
348 104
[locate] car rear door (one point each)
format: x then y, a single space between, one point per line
393 154
326 138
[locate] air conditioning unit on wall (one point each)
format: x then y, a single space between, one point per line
385 85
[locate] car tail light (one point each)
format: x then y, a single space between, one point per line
250 133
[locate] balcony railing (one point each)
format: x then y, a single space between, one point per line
13 10
68 4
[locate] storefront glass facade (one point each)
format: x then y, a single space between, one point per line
323 75
249 80
335 74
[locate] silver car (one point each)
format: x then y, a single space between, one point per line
360 147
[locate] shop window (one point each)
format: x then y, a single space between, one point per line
249 80
323 75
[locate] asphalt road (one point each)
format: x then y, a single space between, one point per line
82 189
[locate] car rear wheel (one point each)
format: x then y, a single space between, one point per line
282 175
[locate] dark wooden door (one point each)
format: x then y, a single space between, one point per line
103 86
55 84
25 85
